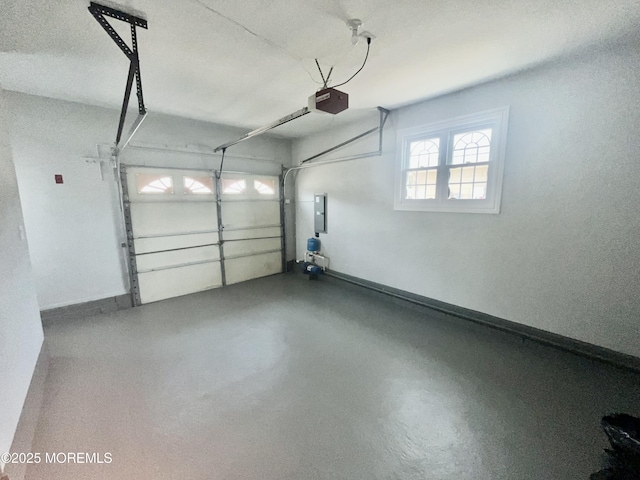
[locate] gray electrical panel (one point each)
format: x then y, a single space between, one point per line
320 213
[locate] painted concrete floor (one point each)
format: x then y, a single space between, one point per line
282 378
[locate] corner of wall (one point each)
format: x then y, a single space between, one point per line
21 333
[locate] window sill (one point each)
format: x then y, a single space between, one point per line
453 208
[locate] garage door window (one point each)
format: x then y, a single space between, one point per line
265 186
154 184
234 186
198 185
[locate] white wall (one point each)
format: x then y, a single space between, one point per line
20 328
75 229
564 253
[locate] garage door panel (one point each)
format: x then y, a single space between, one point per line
159 244
172 217
174 258
245 268
245 214
169 218
248 247
173 185
174 282
252 233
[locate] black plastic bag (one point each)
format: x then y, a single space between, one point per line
624 432
624 456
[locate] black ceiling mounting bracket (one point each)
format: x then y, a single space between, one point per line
99 11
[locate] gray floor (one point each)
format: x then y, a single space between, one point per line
282 378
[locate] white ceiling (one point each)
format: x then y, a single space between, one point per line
248 63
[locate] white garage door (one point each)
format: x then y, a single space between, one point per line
177 243
251 226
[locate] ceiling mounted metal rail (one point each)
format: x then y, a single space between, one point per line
384 114
99 11
261 130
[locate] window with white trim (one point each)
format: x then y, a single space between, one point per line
453 166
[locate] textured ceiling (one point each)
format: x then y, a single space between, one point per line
248 63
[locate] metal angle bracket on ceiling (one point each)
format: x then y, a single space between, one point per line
99 11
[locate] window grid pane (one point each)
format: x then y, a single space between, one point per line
480 190
466 191
471 147
424 153
468 183
421 184
482 173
